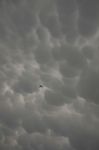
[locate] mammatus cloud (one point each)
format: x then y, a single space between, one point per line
53 43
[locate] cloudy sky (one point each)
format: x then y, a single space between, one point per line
53 43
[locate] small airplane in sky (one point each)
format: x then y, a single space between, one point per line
41 85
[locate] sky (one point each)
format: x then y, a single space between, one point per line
49 75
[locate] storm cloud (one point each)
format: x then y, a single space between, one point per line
49 75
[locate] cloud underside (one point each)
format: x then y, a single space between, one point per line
49 75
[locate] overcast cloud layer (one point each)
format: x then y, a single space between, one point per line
55 44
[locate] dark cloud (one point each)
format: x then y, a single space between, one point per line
54 98
51 19
27 83
89 14
41 141
54 44
69 91
88 52
89 85
33 122
43 54
87 28
67 15
73 56
67 70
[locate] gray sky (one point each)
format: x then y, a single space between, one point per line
54 43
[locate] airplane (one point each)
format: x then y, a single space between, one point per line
41 85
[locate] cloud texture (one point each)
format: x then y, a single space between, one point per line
53 43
